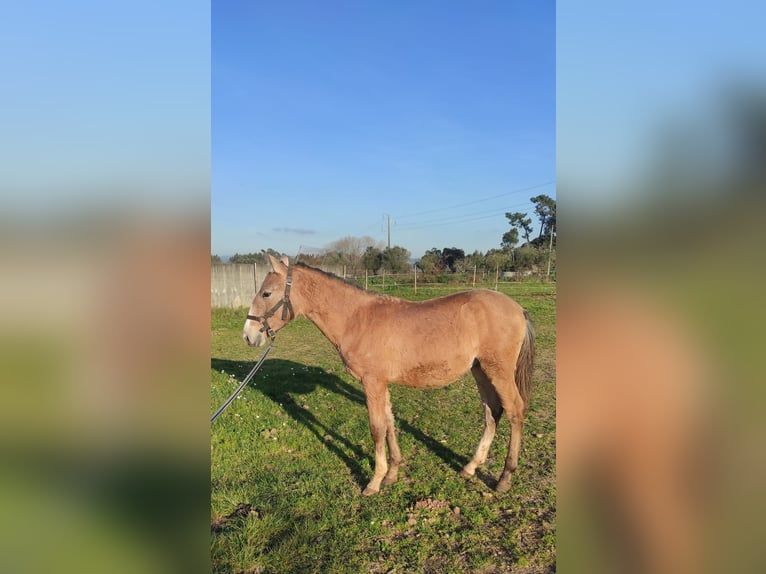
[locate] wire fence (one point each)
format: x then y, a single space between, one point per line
475 279
235 285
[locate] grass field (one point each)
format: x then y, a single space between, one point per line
290 457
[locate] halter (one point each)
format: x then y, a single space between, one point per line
284 303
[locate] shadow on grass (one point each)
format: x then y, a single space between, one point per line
279 380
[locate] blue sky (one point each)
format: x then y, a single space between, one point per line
322 122
326 117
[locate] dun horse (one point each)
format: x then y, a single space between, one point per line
422 345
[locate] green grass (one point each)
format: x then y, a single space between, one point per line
292 454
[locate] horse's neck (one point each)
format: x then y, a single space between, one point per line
329 303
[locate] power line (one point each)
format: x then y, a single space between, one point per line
520 190
460 218
385 228
457 222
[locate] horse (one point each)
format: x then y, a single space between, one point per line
423 345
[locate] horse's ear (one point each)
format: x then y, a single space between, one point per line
279 266
285 260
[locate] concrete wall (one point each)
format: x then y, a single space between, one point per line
235 285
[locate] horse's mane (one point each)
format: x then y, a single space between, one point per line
341 280
332 276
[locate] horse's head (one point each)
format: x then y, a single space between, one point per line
271 308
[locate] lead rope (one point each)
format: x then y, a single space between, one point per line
242 385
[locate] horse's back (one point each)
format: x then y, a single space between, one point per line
432 342
469 312
497 317
490 307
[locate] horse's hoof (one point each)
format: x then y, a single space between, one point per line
370 491
465 474
503 486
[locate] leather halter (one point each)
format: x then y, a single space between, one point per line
284 303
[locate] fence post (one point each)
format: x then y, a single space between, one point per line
365 278
416 279
255 276
474 276
497 274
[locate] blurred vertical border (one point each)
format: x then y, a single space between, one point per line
104 247
661 160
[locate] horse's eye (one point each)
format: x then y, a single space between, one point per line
266 294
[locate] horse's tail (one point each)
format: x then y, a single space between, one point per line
525 363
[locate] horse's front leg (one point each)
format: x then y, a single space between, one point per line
376 408
393 446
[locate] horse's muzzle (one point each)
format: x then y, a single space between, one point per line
257 340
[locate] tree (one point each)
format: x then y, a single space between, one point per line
215 260
451 257
396 259
510 238
520 223
248 258
475 259
497 259
436 260
545 208
372 259
430 261
259 258
530 258
350 250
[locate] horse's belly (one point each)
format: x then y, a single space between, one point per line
431 375
394 364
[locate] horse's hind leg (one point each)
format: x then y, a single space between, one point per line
515 414
493 410
504 389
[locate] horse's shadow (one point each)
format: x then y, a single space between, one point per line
280 380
